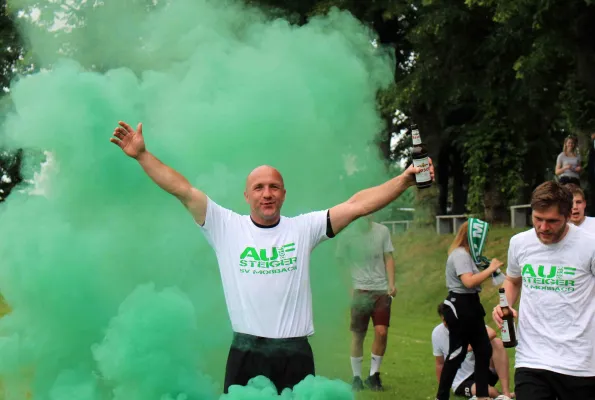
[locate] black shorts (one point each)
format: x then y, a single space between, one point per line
540 384
286 362
564 180
368 304
464 389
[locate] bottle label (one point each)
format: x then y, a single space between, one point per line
505 332
503 301
416 138
424 164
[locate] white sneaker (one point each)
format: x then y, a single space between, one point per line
502 397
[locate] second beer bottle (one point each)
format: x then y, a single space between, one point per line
508 329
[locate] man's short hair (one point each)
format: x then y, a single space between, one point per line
441 307
552 193
574 189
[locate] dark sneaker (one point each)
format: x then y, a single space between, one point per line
374 383
357 384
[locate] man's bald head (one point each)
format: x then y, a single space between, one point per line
262 172
265 192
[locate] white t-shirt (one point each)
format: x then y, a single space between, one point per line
440 344
265 271
588 224
364 252
556 327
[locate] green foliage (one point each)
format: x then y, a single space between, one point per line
495 84
11 46
10 176
494 162
577 105
11 55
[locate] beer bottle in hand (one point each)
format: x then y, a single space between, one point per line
421 160
508 329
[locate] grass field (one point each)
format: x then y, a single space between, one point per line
408 366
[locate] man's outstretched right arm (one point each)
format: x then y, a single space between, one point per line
168 179
174 183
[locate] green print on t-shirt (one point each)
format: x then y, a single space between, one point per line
277 259
549 277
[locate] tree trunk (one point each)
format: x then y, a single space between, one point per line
494 208
585 55
459 185
384 139
426 200
442 178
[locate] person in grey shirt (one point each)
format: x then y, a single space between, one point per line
568 163
367 249
464 316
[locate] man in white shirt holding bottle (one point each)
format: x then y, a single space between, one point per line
264 260
553 265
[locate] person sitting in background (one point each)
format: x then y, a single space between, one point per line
464 382
568 164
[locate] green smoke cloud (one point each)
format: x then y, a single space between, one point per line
114 292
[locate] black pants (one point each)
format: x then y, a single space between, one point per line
286 362
464 316
566 179
539 384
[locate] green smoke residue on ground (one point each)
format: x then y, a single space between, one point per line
114 292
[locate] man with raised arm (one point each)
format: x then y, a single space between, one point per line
264 260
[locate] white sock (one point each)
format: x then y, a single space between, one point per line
356 365
375 364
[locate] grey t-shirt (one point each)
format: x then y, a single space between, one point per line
460 262
573 161
363 251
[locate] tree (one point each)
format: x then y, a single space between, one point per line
492 86
553 81
10 171
11 52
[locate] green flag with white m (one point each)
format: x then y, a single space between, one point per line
477 233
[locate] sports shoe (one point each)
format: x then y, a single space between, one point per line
357 384
502 397
374 383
